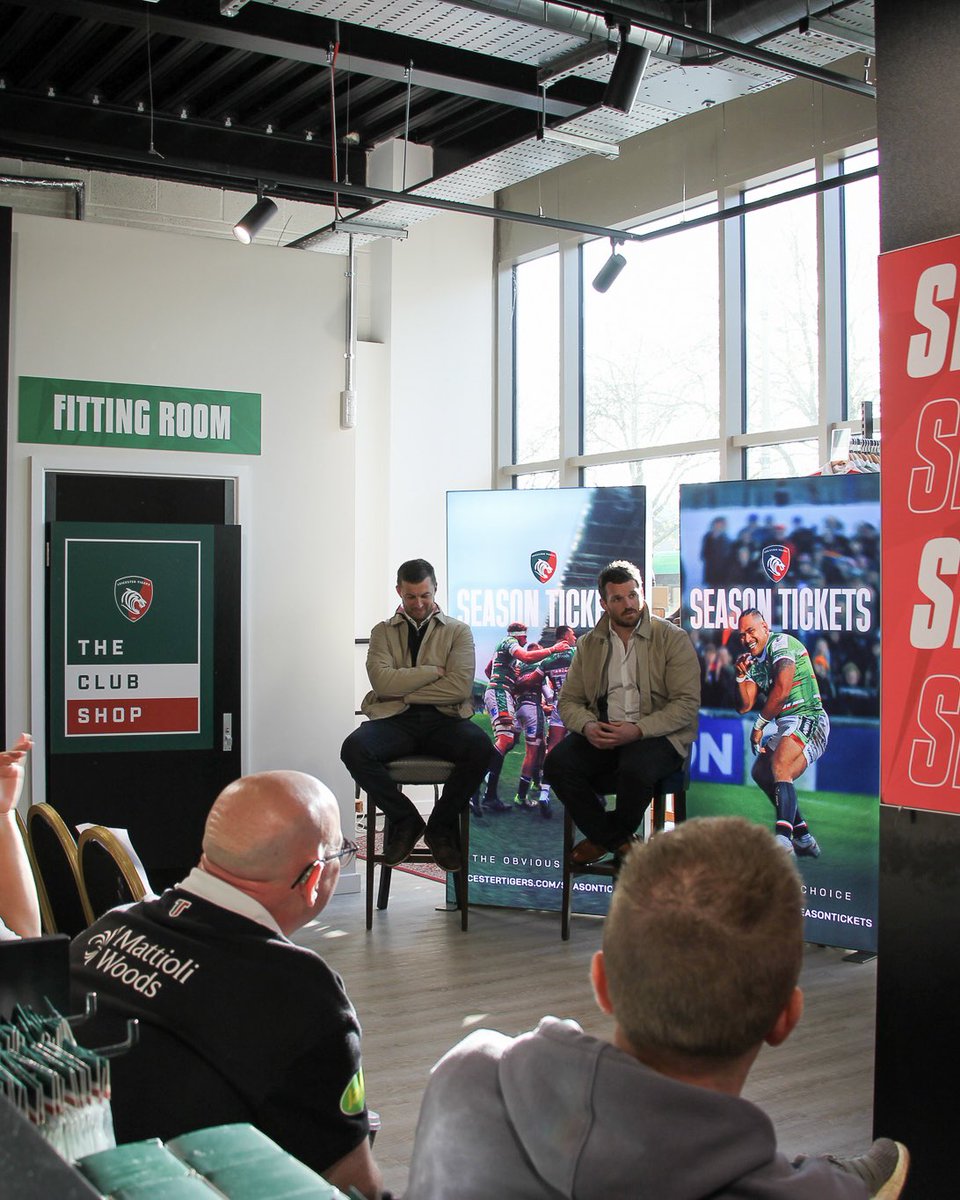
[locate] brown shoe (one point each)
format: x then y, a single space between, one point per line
444 848
584 853
404 835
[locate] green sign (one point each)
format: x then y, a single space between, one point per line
131 634
78 412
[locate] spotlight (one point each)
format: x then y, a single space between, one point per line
627 74
250 224
610 269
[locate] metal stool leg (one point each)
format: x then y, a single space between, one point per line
461 883
386 874
371 855
567 889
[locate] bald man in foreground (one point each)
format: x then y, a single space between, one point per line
237 1022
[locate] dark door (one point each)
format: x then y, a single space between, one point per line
108 763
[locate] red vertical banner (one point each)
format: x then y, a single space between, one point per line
920 492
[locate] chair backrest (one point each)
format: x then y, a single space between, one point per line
108 874
53 853
46 916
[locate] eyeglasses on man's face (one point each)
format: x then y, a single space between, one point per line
344 856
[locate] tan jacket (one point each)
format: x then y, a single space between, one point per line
396 684
668 676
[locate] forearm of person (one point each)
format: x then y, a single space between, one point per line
443 690
747 691
779 691
456 683
19 906
356 1169
390 681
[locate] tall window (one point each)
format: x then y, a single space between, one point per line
651 344
662 477
861 242
783 459
660 404
537 359
782 344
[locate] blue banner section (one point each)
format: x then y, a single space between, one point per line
717 754
853 764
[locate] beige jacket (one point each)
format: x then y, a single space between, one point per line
668 676
396 684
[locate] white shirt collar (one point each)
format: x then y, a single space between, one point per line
225 895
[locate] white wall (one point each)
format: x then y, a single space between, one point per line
720 147
320 507
94 301
441 380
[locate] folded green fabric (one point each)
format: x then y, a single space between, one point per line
207 1150
136 1162
271 1177
190 1187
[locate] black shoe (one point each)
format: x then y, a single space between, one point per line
476 807
404 835
443 846
496 805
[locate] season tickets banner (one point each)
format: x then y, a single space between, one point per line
805 553
920 386
530 557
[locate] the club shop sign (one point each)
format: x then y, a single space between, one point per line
78 412
130 636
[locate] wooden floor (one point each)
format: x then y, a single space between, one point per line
419 984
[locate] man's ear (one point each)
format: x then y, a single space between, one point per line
598 977
787 1021
312 883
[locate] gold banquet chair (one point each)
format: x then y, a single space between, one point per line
53 856
108 874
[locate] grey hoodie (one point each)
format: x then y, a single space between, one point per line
558 1113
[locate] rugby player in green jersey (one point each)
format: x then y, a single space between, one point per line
778 666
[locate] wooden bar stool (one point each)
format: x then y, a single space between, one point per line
432 772
675 784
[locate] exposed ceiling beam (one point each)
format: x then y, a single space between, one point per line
201 152
241 33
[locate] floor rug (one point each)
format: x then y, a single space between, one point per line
425 870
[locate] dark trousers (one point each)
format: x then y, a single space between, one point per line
581 775
419 730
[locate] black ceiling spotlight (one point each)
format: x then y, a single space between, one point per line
627 74
610 269
250 224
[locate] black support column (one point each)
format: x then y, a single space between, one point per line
918 989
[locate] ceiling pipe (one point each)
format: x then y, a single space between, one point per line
757 21
573 21
669 39
627 11
307 240
61 185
